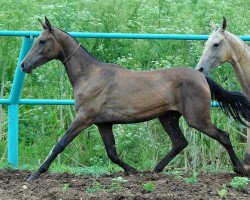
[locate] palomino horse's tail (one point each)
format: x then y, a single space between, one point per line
235 103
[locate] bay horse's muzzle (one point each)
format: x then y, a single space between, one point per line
201 69
25 68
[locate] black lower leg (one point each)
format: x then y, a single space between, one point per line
76 127
223 139
170 123
162 164
59 147
109 142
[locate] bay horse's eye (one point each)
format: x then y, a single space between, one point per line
216 44
41 41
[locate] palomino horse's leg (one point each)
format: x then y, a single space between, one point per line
109 142
76 127
170 123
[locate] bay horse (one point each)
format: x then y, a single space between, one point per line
222 46
106 94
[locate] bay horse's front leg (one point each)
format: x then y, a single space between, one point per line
109 142
79 123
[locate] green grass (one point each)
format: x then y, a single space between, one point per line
149 187
96 186
223 192
141 145
239 183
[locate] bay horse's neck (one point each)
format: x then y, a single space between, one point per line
78 62
240 60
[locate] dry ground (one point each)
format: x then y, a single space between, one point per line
114 186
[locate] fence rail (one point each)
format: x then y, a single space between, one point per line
32 34
16 89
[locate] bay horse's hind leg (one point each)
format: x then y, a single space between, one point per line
170 123
109 142
202 122
223 138
194 106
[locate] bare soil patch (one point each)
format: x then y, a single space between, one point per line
114 186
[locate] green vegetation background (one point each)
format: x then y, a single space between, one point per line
141 145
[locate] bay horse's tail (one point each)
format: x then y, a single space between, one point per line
234 103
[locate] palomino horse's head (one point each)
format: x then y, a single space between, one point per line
46 48
217 49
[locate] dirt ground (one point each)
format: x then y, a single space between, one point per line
115 186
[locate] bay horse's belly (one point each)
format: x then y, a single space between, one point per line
138 107
130 115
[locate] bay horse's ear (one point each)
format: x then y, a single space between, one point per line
212 25
48 24
43 24
224 24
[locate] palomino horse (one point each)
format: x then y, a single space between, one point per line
107 94
222 46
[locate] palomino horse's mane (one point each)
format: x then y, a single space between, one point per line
230 34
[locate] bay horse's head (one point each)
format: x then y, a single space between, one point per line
46 48
217 49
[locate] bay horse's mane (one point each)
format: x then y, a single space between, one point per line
78 42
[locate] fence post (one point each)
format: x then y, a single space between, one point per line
15 94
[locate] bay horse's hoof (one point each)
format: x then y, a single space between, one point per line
33 177
247 171
157 171
242 171
130 171
246 162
